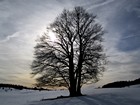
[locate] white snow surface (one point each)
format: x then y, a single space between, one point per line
108 96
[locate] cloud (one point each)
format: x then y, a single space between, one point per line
23 21
100 4
9 37
131 36
19 29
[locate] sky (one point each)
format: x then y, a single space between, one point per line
23 21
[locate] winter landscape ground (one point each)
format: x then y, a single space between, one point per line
108 96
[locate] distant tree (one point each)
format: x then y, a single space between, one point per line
76 56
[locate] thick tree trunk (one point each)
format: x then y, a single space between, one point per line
72 90
75 89
78 90
75 86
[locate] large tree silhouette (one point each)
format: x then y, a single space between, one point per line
75 57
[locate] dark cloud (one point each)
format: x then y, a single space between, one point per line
127 22
1 0
137 71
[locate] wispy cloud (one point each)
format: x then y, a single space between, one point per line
10 37
130 36
100 4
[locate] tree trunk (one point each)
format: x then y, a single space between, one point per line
75 88
79 91
73 92
72 89
78 88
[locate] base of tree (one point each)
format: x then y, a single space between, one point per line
76 95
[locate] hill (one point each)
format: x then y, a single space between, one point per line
19 87
120 84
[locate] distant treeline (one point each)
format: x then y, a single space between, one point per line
20 87
120 84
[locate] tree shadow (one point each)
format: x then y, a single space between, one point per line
89 100
94 100
80 100
104 99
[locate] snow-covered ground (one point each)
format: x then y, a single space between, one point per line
110 96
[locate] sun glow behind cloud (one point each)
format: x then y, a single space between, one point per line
52 36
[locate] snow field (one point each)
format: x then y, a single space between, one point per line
107 96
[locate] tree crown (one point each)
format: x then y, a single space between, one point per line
75 56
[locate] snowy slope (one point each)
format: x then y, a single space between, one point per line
23 97
115 96
135 86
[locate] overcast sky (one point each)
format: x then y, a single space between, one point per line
22 21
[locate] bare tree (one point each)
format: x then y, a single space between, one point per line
75 57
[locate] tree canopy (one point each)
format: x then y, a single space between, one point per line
75 57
